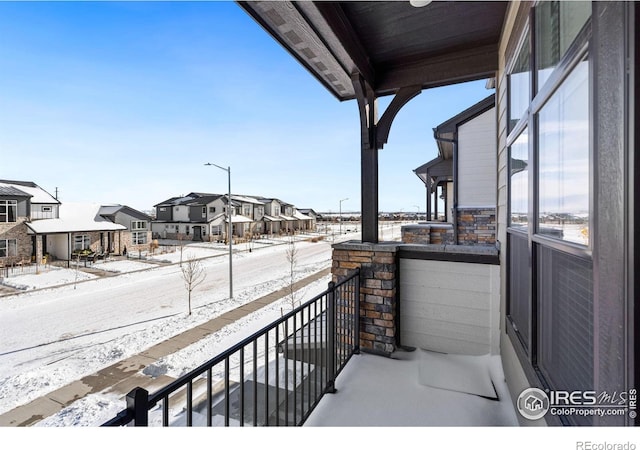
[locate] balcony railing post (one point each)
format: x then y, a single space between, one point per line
331 338
138 402
356 306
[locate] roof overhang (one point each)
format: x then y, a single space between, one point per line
390 44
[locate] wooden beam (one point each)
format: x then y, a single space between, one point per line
454 67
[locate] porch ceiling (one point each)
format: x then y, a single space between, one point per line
391 44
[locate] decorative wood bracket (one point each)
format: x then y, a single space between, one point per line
375 133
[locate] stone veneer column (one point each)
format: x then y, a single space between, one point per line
378 288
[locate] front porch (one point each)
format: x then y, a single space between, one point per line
400 391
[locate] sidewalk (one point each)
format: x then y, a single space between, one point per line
125 375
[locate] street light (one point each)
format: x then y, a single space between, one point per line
230 229
344 199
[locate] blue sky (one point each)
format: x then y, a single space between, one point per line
124 102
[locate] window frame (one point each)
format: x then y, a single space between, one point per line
9 204
8 247
579 50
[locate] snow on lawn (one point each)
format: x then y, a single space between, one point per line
52 276
123 266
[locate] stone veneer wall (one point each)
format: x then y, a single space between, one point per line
377 263
18 230
476 226
428 233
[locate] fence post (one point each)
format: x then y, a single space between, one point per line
138 402
356 347
331 338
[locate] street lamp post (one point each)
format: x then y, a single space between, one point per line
230 227
344 199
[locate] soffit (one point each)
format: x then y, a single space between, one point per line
391 44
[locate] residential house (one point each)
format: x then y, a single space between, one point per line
463 176
20 203
35 226
202 216
563 270
138 234
79 227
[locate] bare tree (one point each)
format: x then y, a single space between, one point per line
192 274
292 258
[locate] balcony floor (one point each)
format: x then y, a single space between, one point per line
379 391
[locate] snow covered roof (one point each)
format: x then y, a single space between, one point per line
246 199
298 215
112 210
37 194
288 218
218 220
75 217
271 218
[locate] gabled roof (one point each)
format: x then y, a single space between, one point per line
37 194
203 200
446 131
173 201
75 217
111 210
11 191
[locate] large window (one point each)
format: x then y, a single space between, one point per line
81 242
8 210
557 25
549 273
8 247
563 159
139 237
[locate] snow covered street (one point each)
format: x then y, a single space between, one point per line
51 337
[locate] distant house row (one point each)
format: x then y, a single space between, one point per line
203 217
35 226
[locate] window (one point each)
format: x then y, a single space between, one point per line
139 237
8 247
550 268
204 211
519 85
138 225
563 160
81 242
212 209
247 210
519 181
46 209
163 209
8 210
557 25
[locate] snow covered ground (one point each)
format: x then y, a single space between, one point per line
69 324
51 337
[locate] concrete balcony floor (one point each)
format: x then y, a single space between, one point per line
379 391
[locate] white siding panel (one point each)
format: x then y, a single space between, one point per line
449 307
477 152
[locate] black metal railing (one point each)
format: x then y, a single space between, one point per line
275 377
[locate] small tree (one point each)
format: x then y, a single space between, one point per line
292 259
193 274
